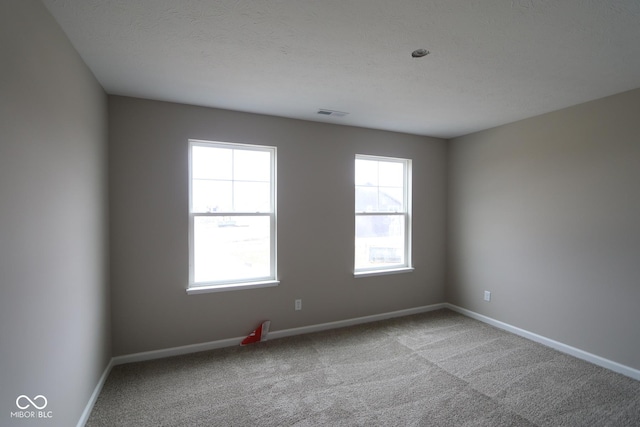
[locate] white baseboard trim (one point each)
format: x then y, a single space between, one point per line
564 348
94 396
355 321
230 342
175 351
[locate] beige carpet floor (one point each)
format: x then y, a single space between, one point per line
432 369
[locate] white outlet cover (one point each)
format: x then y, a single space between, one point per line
487 296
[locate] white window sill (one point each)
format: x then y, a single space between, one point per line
231 287
368 273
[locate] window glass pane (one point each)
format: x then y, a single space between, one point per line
227 179
252 196
211 163
231 248
391 174
379 241
211 196
390 199
366 172
366 199
251 165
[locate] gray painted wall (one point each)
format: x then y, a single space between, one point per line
545 214
149 225
54 312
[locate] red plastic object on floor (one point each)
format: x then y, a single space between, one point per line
258 335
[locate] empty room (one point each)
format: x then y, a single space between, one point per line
358 212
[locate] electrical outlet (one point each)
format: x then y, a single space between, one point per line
487 296
298 304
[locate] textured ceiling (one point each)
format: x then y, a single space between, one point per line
491 62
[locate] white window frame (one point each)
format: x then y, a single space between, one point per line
227 285
407 265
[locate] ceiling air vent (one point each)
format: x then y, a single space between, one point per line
331 113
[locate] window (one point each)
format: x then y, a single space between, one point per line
382 214
232 221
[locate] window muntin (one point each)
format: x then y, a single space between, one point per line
232 224
382 213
